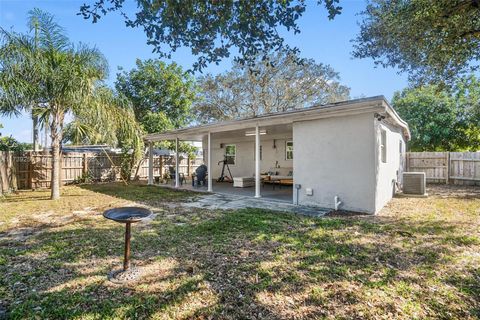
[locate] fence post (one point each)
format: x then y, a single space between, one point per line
3 173
448 167
85 165
407 160
30 171
62 174
12 179
161 166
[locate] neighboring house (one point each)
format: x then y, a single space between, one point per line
351 151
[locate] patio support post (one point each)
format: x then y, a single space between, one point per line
257 162
177 165
209 168
150 162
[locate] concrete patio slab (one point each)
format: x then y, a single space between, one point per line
235 202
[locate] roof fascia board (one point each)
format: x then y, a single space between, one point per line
398 121
320 112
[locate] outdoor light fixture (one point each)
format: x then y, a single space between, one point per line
252 133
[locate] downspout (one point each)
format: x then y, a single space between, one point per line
337 202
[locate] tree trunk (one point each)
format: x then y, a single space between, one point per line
56 136
36 142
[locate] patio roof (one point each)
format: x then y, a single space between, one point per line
357 106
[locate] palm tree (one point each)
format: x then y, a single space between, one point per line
110 120
52 77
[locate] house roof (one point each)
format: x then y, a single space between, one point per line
356 106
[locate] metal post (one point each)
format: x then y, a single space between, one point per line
177 165
257 162
150 163
209 169
126 258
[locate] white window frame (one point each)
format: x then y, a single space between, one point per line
286 149
229 155
383 145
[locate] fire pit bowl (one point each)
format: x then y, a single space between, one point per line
127 215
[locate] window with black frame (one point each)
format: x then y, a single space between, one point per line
230 153
289 150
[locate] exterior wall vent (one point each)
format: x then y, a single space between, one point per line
414 183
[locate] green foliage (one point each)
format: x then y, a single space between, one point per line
161 96
158 91
11 144
111 120
211 29
431 40
159 122
273 85
156 122
84 178
442 119
48 74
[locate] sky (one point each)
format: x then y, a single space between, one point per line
325 41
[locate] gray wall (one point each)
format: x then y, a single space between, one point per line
245 160
391 170
336 156
333 156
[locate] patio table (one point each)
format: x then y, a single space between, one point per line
127 215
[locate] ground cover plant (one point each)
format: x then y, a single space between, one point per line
419 258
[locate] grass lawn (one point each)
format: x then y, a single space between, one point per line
419 258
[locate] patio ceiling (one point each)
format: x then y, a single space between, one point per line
270 130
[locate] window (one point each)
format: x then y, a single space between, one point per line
230 153
289 150
383 145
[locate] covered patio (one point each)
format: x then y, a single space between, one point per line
268 191
253 151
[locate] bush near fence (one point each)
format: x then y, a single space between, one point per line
33 170
446 167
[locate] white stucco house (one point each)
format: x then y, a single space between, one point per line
348 155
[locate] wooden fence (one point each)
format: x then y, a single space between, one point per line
7 173
446 167
33 170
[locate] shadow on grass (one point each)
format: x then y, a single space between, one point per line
22 199
222 266
453 191
139 192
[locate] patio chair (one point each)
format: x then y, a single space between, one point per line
201 175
